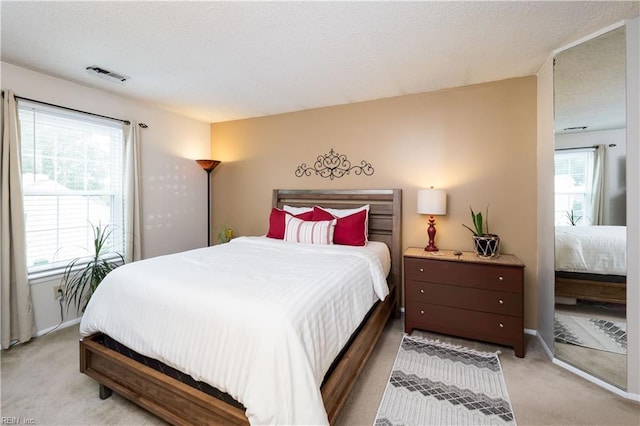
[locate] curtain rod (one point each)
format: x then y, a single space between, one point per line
144 126
611 145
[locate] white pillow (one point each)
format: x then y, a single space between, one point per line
346 212
309 232
296 210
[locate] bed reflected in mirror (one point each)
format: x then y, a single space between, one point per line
590 207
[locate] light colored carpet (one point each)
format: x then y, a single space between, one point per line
40 381
433 382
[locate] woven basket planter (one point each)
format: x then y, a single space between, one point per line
487 245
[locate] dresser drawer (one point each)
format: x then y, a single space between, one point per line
461 322
491 277
497 302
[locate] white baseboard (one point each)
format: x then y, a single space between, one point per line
586 376
595 380
543 344
58 327
547 349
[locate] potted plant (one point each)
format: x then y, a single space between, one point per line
79 283
572 217
485 244
225 234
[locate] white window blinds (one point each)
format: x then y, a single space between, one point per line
72 169
574 170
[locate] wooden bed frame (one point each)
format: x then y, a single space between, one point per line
181 404
603 288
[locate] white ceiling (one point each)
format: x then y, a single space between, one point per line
220 61
590 84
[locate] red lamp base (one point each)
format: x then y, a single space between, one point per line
431 231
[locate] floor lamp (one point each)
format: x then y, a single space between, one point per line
208 166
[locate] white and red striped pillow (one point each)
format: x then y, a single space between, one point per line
309 232
277 221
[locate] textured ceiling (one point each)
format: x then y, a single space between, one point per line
590 85
219 61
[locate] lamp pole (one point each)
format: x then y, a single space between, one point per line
208 208
208 166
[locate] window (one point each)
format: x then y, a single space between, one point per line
573 186
72 170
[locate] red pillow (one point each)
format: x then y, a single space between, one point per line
276 222
350 230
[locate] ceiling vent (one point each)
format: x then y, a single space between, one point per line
107 75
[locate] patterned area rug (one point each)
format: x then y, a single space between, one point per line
591 333
434 383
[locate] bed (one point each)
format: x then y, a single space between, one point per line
591 263
180 398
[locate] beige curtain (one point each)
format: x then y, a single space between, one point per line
132 229
598 204
16 311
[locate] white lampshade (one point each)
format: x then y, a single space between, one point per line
432 201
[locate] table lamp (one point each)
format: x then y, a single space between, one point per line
434 203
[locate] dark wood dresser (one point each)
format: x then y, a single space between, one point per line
466 296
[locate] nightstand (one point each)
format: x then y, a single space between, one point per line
466 296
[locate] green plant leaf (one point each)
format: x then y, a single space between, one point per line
474 232
486 219
479 225
477 221
80 284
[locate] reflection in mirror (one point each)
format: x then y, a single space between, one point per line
590 206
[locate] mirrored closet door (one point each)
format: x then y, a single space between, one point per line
590 207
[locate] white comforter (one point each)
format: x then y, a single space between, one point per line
592 249
258 318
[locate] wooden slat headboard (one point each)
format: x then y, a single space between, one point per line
385 217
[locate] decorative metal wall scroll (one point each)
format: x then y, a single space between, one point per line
334 165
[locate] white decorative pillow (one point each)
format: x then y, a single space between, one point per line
309 232
346 212
296 210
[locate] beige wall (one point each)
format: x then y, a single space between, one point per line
476 142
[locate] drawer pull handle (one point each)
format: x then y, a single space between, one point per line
421 269
422 291
421 312
500 278
501 325
501 302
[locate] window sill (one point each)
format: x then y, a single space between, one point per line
55 273
44 276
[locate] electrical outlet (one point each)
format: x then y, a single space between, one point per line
57 292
